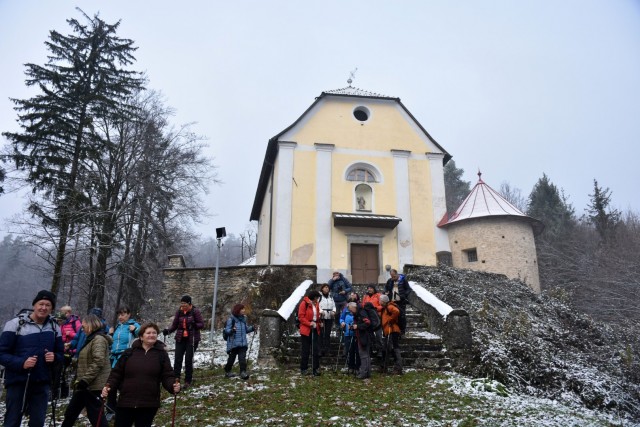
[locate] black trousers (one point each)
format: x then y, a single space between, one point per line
326 336
142 417
184 350
84 399
241 352
310 345
402 320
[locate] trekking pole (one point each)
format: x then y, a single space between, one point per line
175 402
386 354
100 412
346 361
24 395
339 345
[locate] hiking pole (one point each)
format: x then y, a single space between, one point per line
339 345
101 411
175 402
24 395
386 354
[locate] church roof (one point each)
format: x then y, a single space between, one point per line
354 91
483 202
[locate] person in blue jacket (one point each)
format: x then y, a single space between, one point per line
236 329
340 290
123 335
349 339
30 344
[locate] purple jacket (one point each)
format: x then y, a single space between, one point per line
193 321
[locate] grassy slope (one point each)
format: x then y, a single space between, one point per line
284 398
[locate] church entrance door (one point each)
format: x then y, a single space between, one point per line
364 264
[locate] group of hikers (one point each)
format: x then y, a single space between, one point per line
371 326
118 370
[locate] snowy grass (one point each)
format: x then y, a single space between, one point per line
418 398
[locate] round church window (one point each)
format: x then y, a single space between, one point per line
361 114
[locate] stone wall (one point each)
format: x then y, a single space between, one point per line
257 287
504 245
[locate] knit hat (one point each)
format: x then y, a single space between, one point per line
97 311
236 309
384 299
186 298
46 295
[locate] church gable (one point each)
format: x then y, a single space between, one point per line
360 123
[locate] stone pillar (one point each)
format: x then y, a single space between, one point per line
457 330
270 334
176 261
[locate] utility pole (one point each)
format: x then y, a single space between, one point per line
220 234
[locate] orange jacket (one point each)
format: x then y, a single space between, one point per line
305 316
373 299
390 316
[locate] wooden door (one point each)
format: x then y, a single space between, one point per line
364 264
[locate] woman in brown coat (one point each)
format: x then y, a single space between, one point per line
93 371
138 375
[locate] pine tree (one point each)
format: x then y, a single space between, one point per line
548 204
85 77
600 213
456 189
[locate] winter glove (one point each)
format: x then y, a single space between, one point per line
165 332
82 385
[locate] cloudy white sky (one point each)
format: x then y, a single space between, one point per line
512 88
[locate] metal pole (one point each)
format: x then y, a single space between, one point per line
215 292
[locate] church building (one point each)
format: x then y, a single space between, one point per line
355 184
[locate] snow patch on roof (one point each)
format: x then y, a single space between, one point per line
443 308
354 91
290 304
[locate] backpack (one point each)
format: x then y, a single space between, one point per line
372 314
297 319
226 335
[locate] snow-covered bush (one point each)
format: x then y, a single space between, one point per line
538 343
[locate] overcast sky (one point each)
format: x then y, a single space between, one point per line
514 88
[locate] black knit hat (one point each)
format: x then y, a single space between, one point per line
44 294
186 298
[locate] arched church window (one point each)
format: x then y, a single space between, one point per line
362 175
364 198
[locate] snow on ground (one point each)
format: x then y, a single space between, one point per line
443 308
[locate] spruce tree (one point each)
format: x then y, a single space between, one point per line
86 76
548 204
456 189
600 214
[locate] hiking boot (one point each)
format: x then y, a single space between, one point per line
304 372
229 375
316 373
186 385
244 375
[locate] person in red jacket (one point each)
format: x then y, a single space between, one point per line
310 326
391 330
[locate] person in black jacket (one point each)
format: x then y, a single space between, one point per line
361 326
187 323
138 376
397 289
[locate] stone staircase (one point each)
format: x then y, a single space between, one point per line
420 349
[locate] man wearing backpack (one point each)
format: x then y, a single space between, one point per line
391 330
373 297
29 345
361 326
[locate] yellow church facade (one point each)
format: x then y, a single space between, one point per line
355 184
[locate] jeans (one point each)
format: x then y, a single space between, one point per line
36 408
241 352
84 399
184 348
